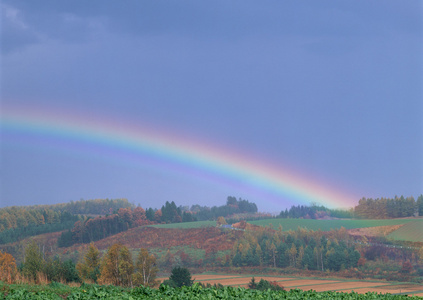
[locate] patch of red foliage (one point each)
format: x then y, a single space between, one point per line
208 238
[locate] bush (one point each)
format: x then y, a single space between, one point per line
264 285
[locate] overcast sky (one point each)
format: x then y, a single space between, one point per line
333 89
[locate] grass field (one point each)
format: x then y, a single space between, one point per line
326 225
293 224
186 225
412 231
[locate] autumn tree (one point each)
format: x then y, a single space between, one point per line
8 269
146 270
116 266
89 269
126 267
221 221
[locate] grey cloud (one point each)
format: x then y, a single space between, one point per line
15 32
220 19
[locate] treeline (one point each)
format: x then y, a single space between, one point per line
25 216
367 208
302 249
94 229
94 207
232 207
315 212
19 222
385 208
170 213
16 234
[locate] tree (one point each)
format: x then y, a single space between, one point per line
90 268
181 277
116 266
221 221
126 267
33 261
420 205
252 284
146 270
149 213
8 269
231 201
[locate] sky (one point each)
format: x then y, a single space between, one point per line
277 102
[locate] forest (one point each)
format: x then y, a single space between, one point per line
19 222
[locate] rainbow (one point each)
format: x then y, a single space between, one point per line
170 150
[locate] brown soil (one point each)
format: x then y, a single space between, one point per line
341 286
305 283
383 290
318 285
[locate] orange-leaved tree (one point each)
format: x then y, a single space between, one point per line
117 266
8 268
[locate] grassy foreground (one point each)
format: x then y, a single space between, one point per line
85 291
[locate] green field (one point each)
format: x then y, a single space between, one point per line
326 225
412 231
186 225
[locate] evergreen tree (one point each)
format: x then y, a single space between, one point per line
420 205
181 277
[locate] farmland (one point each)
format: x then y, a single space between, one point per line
412 231
186 225
405 229
311 224
331 256
326 225
59 291
316 284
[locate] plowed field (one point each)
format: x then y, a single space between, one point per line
318 285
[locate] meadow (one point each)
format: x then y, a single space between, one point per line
326 225
412 229
186 225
